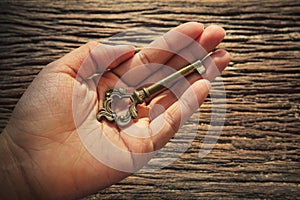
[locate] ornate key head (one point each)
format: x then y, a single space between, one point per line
108 113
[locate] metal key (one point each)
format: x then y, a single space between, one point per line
139 96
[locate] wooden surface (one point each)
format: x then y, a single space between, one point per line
257 153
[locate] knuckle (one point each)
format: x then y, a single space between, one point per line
144 58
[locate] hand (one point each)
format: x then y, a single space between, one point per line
49 138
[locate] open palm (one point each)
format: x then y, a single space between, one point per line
65 151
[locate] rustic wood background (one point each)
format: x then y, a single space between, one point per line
257 154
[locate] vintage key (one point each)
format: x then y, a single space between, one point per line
139 96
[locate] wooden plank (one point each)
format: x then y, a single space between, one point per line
257 154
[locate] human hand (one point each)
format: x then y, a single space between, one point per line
53 125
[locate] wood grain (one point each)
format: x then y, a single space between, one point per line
257 153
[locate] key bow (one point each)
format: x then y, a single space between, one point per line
137 97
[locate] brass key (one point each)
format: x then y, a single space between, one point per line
139 96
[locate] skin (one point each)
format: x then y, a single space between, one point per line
41 154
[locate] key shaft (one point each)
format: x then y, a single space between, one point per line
158 86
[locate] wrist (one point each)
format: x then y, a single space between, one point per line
13 179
